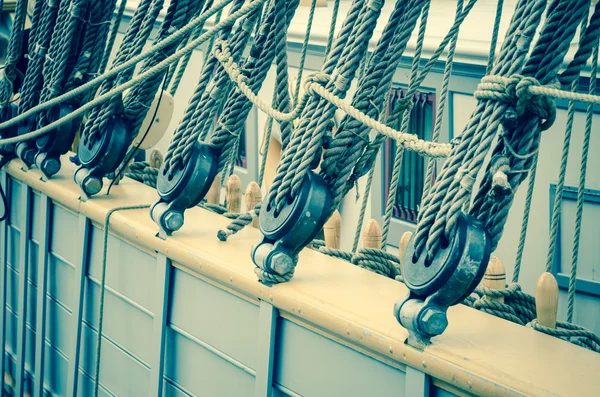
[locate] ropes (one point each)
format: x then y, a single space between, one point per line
61 52
103 289
453 188
571 333
137 80
209 95
13 52
139 29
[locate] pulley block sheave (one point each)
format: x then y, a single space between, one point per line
6 113
26 150
183 187
442 281
101 156
288 230
52 145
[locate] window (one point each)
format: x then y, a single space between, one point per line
588 270
414 167
246 162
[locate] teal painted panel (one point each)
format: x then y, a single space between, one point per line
15 210
202 372
64 234
58 316
36 230
60 281
86 387
312 365
55 361
124 263
222 320
172 390
124 323
13 247
120 373
12 285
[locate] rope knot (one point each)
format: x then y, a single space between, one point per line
318 78
500 167
516 91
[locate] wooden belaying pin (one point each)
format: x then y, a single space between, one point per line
546 300
155 159
233 194
372 235
333 230
307 3
403 244
253 197
214 193
495 277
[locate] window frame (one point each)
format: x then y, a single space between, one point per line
582 285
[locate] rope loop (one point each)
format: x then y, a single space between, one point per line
377 261
516 90
518 307
571 333
319 78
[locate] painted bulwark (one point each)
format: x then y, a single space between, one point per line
184 317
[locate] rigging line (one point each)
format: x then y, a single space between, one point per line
135 60
5 204
119 89
113 36
581 190
133 152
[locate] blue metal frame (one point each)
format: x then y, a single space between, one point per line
266 346
582 285
4 231
24 236
42 290
162 289
417 383
84 228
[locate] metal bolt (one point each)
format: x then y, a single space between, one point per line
50 166
433 321
91 185
281 263
173 220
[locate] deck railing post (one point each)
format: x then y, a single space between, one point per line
267 330
23 287
159 331
77 312
42 285
4 231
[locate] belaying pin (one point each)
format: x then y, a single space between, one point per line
442 281
288 230
183 187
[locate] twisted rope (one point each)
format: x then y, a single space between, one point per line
581 189
137 80
453 188
518 306
13 51
377 261
571 333
110 213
